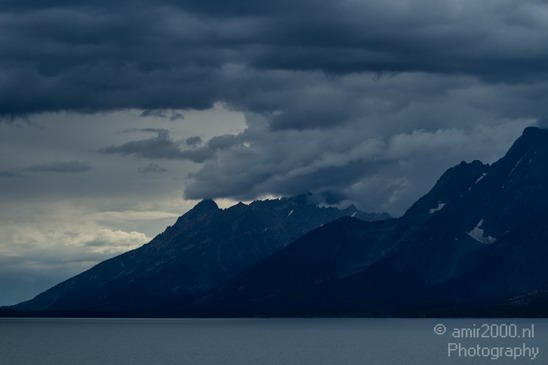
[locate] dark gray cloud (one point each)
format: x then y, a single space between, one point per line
146 130
194 141
168 114
11 175
160 146
62 167
167 55
55 167
163 147
152 168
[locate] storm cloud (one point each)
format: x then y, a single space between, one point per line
317 81
165 55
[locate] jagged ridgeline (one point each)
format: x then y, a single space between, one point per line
204 249
475 245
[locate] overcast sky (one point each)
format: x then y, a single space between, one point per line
117 116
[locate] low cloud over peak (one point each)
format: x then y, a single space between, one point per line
369 167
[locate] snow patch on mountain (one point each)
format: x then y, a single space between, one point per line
480 178
477 233
438 208
517 164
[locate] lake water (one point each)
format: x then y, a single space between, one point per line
271 341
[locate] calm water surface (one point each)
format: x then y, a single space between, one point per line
267 341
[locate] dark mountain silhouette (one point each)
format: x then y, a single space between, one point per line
478 239
475 245
205 247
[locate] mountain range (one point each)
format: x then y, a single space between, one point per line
475 245
205 248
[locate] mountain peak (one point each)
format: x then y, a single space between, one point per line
534 131
206 205
533 135
532 145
